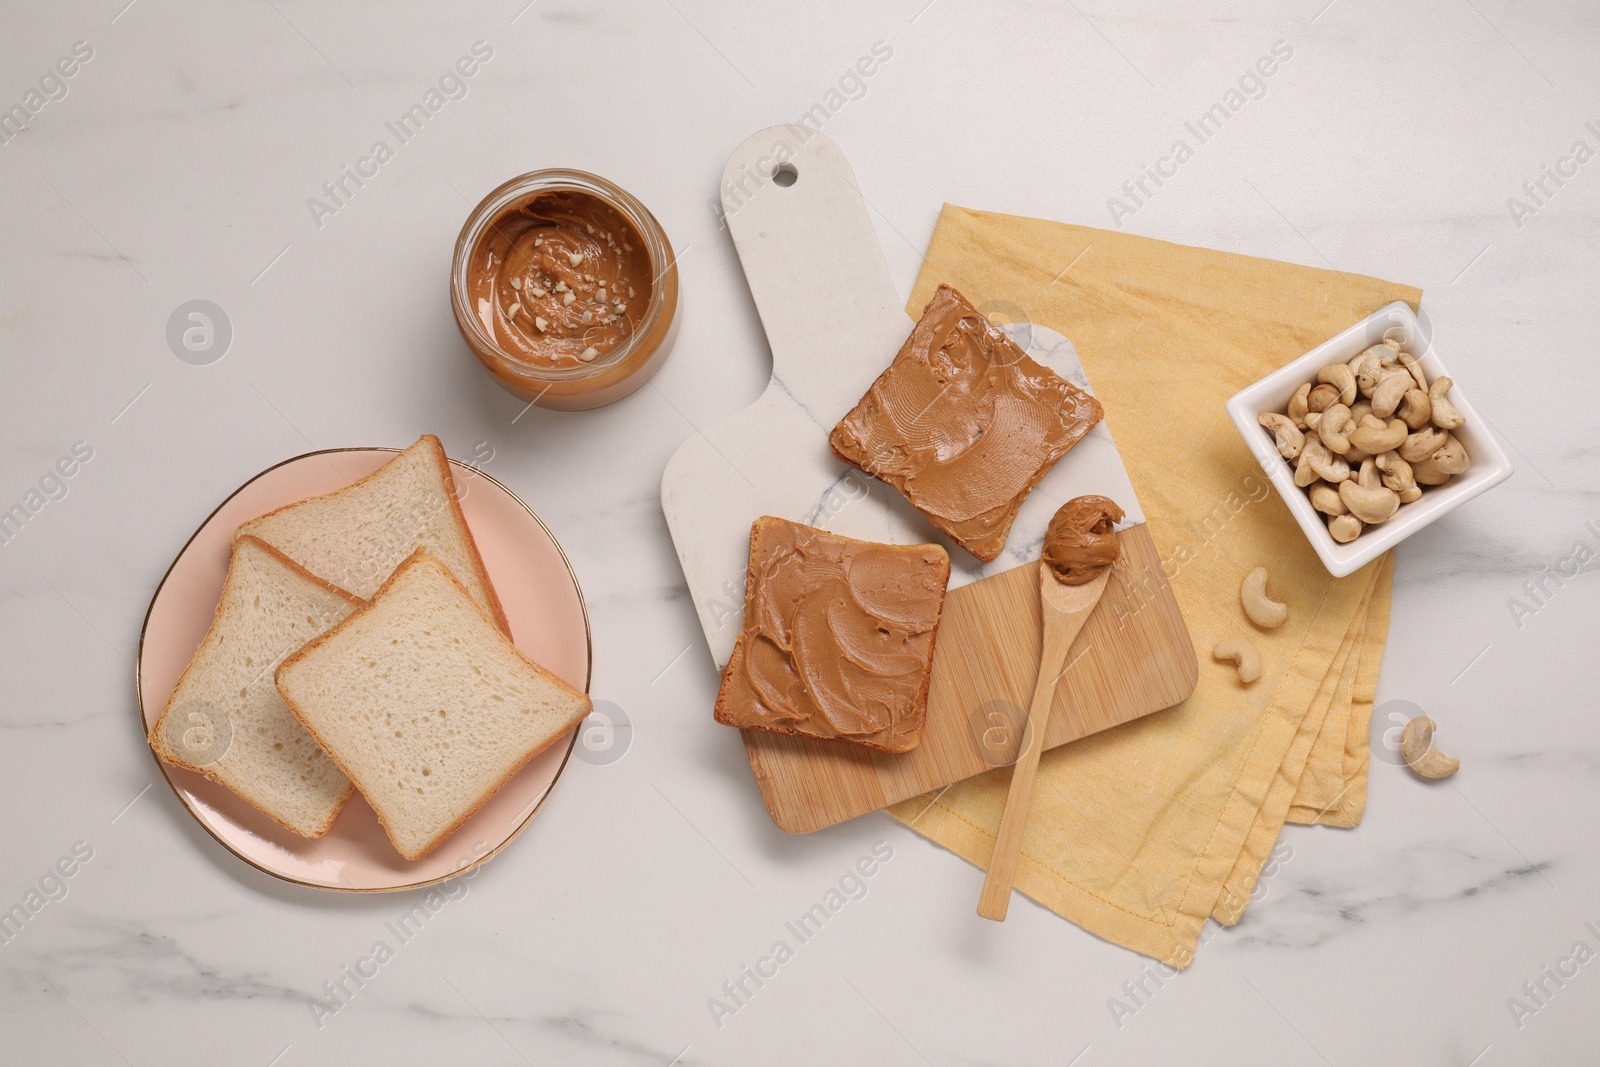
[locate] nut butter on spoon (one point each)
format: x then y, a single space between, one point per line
1079 549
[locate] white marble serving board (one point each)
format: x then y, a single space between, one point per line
834 321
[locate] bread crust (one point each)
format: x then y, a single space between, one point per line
422 557
435 448
153 735
918 717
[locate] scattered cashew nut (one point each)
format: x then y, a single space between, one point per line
1416 745
1265 612
1244 655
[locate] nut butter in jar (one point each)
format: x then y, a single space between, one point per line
565 288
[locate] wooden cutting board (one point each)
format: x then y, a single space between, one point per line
834 320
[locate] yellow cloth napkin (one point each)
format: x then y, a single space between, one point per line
1141 833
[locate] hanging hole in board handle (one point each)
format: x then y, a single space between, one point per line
785 175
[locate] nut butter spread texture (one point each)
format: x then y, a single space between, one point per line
838 637
559 280
964 423
1080 540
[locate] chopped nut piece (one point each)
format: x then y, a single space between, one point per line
536 291
561 287
516 283
574 258
567 298
588 354
630 291
512 313
539 323
601 295
588 317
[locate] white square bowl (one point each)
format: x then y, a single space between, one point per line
1490 464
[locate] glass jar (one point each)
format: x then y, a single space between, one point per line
612 374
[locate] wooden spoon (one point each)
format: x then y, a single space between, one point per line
1065 608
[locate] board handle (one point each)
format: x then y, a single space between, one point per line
809 252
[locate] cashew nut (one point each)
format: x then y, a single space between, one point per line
1413 366
1325 498
1369 505
1390 391
1371 434
1422 444
1445 415
1303 474
1341 377
1450 457
1333 426
1244 656
1328 467
1416 745
1396 472
1345 528
1265 612
1299 407
1427 472
1321 396
1374 437
1415 409
1369 369
1288 436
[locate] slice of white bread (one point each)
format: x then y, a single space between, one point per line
225 718
356 537
425 704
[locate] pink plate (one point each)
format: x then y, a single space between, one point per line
536 587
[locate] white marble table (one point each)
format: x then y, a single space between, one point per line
178 166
